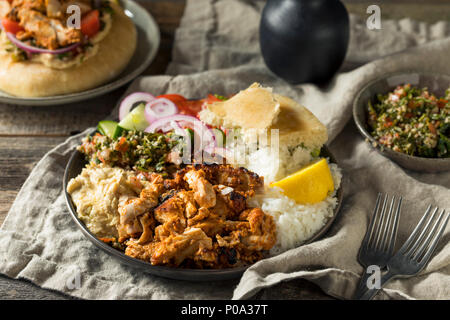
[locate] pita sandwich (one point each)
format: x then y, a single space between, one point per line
102 57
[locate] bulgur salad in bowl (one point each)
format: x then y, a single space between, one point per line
168 188
406 117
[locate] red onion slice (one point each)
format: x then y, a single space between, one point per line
159 108
131 100
31 49
178 130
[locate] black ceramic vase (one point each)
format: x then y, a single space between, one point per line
304 40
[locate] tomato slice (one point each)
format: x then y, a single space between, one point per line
90 23
192 107
186 107
212 98
173 97
11 26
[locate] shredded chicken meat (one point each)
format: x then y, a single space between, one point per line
44 22
199 219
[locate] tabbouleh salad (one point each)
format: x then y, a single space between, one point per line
412 121
137 150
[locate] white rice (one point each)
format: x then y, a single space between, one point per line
273 166
296 223
271 162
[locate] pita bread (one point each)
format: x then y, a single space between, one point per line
297 125
259 108
31 79
233 113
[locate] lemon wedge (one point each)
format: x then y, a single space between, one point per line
309 185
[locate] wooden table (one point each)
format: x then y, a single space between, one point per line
27 133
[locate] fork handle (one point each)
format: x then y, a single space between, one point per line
362 286
364 293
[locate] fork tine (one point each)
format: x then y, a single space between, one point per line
415 231
370 228
380 222
422 234
386 226
433 245
393 235
430 236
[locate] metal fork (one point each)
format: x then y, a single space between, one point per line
378 244
416 251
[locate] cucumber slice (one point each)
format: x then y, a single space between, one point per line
118 132
135 120
108 128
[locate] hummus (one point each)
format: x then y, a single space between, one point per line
96 193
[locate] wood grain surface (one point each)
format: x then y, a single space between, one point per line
27 133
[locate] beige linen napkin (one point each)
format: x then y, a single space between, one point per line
216 48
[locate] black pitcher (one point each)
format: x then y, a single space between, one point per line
304 40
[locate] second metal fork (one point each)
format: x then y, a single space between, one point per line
378 244
417 250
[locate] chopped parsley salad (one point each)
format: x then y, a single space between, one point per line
136 150
412 121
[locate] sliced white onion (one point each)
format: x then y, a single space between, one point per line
159 108
131 100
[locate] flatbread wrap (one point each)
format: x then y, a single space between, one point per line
34 42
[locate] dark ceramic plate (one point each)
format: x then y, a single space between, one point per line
436 83
73 169
147 46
